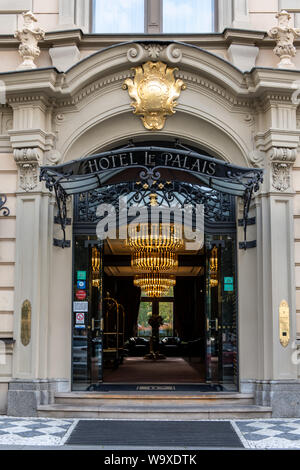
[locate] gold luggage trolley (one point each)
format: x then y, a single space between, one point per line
113 332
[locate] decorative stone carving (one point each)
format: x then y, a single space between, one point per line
282 161
281 176
136 54
140 53
28 161
256 157
153 50
154 90
29 36
284 36
52 157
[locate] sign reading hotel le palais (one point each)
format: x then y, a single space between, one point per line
151 159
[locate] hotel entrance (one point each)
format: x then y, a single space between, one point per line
153 308
197 331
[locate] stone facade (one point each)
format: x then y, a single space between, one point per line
238 104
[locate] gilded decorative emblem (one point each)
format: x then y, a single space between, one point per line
154 89
284 323
26 323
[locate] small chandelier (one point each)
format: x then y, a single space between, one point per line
95 267
155 285
154 259
153 246
149 236
213 267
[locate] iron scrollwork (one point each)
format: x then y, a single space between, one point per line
218 207
53 183
5 210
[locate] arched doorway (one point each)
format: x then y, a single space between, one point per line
109 313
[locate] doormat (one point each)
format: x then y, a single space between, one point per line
155 434
197 388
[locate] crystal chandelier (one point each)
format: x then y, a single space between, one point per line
153 247
154 284
152 236
154 259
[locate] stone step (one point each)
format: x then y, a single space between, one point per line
149 399
157 411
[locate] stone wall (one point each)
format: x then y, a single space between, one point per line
8 181
11 14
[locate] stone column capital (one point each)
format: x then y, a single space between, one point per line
28 161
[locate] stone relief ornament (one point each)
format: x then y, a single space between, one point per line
154 90
153 50
282 161
281 176
284 36
29 36
140 53
28 161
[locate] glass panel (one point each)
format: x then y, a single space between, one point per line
87 334
118 16
145 312
166 312
188 16
221 311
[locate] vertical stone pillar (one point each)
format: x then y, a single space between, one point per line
224 15
153 17
33 142
66 14
75 14
240 14
278 385
30 384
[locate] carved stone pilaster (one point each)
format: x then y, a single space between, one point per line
282 160
284 36
28 161
29 36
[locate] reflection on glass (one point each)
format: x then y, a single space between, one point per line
166 312
145 312
118 16
221 311
188 16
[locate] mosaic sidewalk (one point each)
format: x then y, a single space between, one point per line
34 431
270 433
254 434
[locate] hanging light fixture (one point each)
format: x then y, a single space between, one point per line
154 284
213 267
95 267
154 259
154 247
152 236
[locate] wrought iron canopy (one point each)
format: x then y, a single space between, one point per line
92 172
149 164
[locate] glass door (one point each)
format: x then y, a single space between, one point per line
221 311
87 312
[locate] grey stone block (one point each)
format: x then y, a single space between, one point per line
282 396
22 403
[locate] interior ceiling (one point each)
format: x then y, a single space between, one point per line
117 248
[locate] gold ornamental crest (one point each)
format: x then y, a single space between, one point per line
154 89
